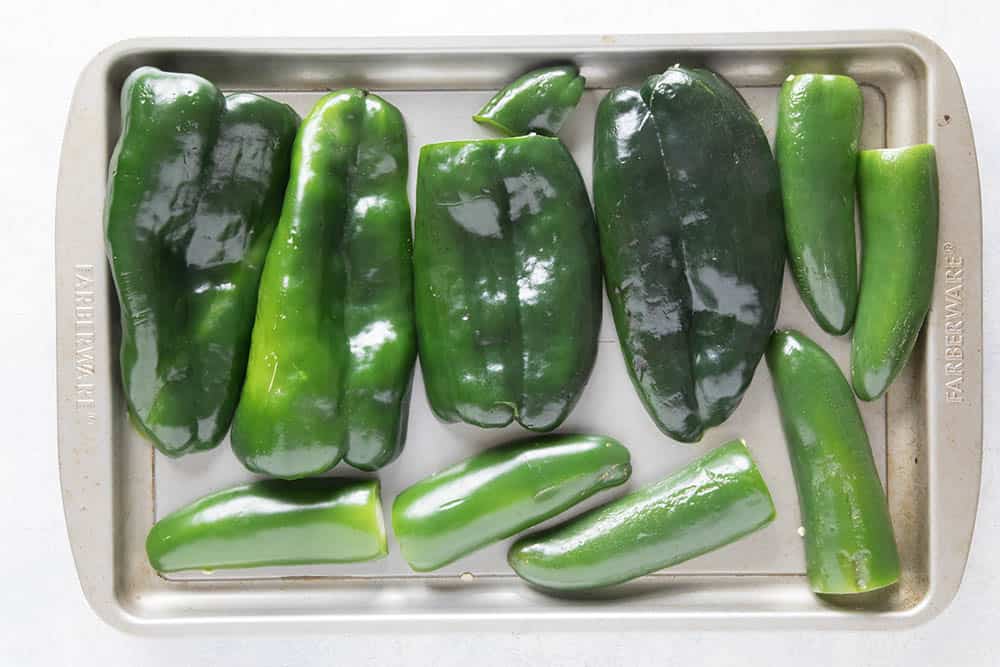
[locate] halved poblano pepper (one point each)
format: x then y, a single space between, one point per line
194 191
507 281
708 504
849 541
688 205
331 360
819 127
500 492
273 522
539 101
898 193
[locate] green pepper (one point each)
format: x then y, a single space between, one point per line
272 522
500 492
194 190
688 206
898 192
539 101
819 127
712 502
848 533
331 360
507 281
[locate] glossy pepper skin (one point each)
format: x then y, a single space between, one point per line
539 101
331 361
849 541
816 145
688 205
712 502
194 190
507 281
898 192
500 492
273 522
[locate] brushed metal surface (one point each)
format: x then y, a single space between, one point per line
927 435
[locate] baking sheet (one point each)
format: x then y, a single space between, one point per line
926 434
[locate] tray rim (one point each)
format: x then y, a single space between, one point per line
89 508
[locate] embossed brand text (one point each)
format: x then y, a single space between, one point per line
83 335
954 325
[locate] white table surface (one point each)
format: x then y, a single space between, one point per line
44 44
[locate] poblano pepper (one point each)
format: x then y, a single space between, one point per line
688 205
194 191
507 281
334 346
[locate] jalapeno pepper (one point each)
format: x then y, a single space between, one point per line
819 127
898 191
500 492
715 500
849 541
273 522
539 101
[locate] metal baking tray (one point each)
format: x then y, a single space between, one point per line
926 435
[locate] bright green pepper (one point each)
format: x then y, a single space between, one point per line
500 492
898 192
507 280
194 190
333 347
689 210
273 522
712 502
819 127
539 101
848 533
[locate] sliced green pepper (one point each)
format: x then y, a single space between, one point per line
333 348
500 492
819 127
194 190
848 534
539 101
898 191
507 281
274 522
712 502
688 205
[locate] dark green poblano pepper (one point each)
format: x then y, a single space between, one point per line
688 205
507 281
194 191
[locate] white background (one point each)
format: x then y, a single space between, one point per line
44 619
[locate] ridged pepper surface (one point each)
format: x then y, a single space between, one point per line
688 205
194 192
333 349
